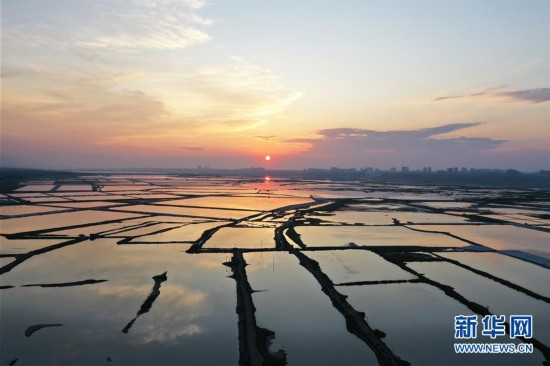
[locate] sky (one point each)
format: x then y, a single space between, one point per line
118 84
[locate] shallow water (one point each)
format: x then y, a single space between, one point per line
499 298
20 246
79 194
385 217
134 187
47 199
320 236
189 232
193 320
246 238
36 187
527 275
195 308
74 187
357 265
16 210
261 203
4 261
110 228
325 193
352 217
189 211
98 197
446 204
32 223
94 204
418 322
501 237
293 306
520 219
147 229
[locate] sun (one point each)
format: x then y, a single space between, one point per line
267 157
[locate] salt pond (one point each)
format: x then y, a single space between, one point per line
124 272
320 236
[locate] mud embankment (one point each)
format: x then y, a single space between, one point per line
148 303
355 321
253 341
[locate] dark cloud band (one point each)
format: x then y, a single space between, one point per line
538 95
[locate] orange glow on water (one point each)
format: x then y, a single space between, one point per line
267 178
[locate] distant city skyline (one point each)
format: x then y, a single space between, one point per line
178 84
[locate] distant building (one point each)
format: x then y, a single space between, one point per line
404 169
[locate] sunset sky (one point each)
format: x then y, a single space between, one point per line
176 84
